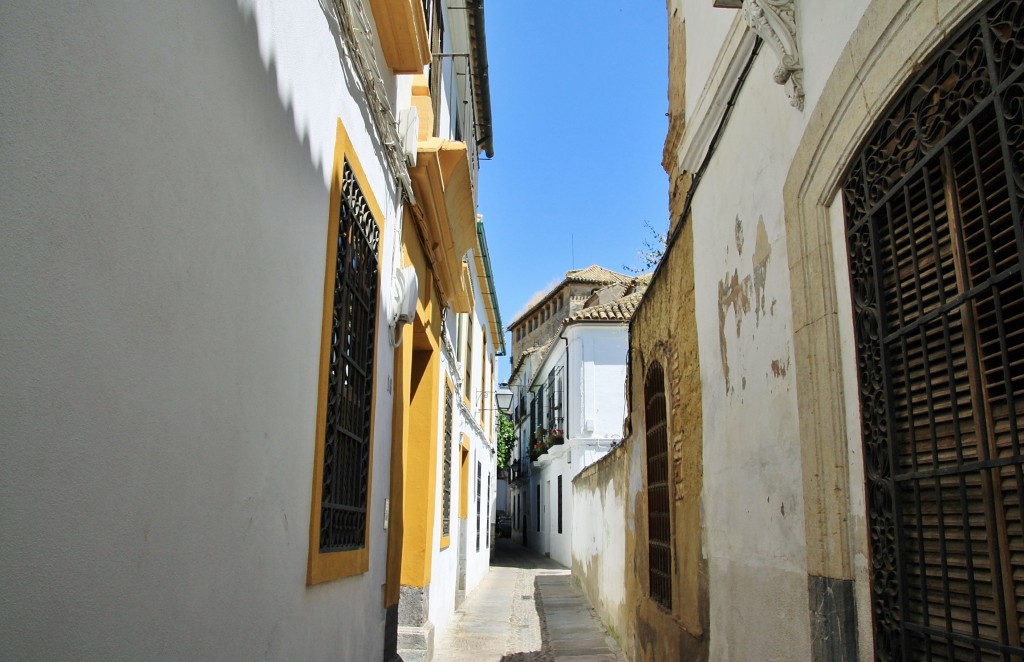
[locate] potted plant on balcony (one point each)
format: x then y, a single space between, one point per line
538 446
555 437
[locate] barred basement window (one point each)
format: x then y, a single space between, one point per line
659 521
446 507
933 225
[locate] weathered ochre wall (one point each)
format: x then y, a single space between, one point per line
664 330
612 490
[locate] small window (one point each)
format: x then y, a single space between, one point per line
538 508
478 506
659 520
467 379
559 503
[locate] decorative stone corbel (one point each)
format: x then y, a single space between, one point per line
775 22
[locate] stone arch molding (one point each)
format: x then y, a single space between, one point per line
881 54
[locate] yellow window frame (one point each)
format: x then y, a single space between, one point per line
327 566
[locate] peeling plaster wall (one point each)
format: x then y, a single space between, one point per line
752 466
613 489
783 530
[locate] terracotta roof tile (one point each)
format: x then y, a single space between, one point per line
620 310
595 274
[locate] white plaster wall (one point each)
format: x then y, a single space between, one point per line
753 503
548 540
823 29
478 561
599 546
445 562
752 459
501 497
597 384
594 382
706 27
163 202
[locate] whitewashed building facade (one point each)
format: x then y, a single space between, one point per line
569 397
205 209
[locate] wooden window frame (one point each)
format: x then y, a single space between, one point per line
328 566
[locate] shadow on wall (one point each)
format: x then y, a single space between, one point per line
309 108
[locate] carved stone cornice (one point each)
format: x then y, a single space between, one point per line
775 22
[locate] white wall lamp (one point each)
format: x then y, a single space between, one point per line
405 290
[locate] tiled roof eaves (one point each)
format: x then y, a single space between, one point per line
596 274
525 354
612 278
620 310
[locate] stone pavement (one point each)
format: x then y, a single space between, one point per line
527 609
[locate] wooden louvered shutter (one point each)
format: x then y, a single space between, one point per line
933 209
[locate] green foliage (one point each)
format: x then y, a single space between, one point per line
506 440
651 253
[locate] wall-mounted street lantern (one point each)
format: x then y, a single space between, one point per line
503 396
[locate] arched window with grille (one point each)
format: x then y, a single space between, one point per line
659 519
932 209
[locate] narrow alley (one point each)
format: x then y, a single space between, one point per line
527 609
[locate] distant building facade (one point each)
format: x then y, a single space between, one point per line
568 403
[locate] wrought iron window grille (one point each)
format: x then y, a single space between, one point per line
933 206
350 373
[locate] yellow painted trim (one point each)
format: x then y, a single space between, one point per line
327 566
464 478
422 434
446 208
402 34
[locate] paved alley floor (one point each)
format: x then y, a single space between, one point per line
527 609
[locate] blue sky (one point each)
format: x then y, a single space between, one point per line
578 103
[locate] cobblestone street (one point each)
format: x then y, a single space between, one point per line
527 609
